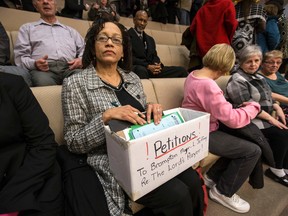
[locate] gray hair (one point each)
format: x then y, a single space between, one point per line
249 51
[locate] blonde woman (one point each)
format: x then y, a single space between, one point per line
238 156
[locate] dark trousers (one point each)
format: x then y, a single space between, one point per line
182 195
83 192
278 140
238 159
167 72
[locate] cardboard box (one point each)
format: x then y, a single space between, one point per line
143 164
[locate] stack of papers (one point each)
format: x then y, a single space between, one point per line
128 131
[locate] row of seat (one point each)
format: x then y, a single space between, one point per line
160 36
169 54
21 16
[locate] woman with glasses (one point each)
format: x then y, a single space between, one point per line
247 85
270 70
106 90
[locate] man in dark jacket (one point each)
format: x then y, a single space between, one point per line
146 63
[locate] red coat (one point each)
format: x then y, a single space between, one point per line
214 23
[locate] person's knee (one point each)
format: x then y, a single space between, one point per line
42 79
179 194
254 151
17 71
141 71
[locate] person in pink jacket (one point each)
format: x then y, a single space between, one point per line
237 156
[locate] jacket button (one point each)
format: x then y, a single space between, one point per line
138 96
81 161
126 85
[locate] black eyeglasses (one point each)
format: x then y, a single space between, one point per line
104 38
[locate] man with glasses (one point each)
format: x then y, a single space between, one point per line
146 63
50 50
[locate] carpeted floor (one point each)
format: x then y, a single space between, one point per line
272 200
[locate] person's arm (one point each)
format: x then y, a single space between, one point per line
280 98
272 34
152 49
80 46
79 43
40 155
23 49
81 134
114 12
207 95
273 121
261 22
237 90
215 103
230 21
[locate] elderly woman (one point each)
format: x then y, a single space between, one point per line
270 70
247 85
105 90
238 156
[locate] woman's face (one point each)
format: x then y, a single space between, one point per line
104 2
271 65
251 64
108 44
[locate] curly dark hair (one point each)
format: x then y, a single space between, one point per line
89 56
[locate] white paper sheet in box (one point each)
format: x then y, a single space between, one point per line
143 164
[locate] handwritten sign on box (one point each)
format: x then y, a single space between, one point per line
143 164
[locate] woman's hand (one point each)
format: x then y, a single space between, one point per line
125 113
156 109
279 113
266 116
277 123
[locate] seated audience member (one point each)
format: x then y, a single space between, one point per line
247 85
5 65
50 50
269 69
30 178
237 156
146 63
270 38
87 107
74 9
102 7
278 84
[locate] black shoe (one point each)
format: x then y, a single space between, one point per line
282 180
